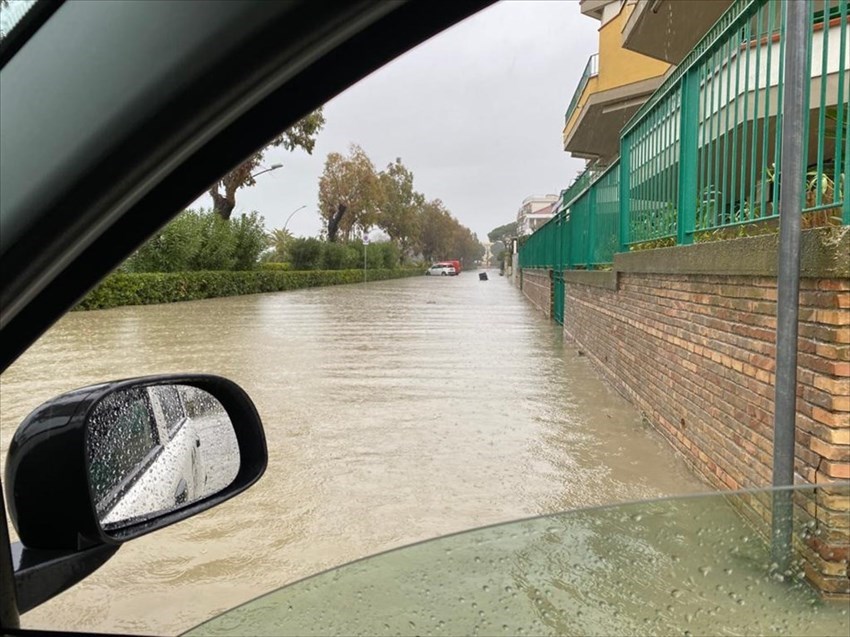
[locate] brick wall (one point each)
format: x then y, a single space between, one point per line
696 354
688 335
537 287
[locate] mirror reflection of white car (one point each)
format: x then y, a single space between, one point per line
144 454
441 269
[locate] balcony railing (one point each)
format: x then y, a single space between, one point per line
700 159
591 69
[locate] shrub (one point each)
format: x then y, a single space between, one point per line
217 244
202 241
275 266
171 249
305 254
121 288
249 240
339 256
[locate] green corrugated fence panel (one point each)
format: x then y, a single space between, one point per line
607 238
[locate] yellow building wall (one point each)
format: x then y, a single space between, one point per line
617 66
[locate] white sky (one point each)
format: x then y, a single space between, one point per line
476 113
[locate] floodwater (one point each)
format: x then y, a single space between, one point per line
395 411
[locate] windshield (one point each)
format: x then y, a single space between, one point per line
613 165
683 566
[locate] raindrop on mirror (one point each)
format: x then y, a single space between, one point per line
155 449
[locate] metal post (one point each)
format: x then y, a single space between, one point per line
9 617
365 244
688 151
788 279
623 203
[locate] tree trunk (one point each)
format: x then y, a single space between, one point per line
333 222
223 205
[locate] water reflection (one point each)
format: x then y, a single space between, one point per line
156 449
394 412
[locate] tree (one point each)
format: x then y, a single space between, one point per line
349 194
277 241
400 214
436 235
301 135
502 232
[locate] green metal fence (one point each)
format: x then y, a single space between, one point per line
701 157
829 122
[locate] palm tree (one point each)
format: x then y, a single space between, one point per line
278 240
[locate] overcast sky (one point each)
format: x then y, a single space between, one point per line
476 113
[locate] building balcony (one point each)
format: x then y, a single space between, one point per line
668 29
593 129
614 85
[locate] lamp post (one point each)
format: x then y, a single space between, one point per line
365 243
286 223
267 170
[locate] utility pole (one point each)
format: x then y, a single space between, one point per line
365 243
788 277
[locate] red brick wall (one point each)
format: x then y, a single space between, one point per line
695 353
537 287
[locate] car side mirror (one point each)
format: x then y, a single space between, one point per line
104 464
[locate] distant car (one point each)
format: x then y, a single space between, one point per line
441 269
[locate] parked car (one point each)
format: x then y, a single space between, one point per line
146 454
455 263
104 139
143 454
441 269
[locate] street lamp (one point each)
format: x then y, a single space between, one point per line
286 223
267 170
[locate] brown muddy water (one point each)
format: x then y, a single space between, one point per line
395 411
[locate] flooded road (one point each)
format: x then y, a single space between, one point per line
394 411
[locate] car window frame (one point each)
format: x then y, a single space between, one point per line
73 244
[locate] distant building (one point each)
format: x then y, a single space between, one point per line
534 212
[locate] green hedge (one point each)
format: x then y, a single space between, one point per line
275 266
145 288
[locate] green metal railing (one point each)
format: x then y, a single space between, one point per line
829 121
701 157
591 69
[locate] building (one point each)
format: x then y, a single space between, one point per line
648 25
615 83
534 212
708 137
